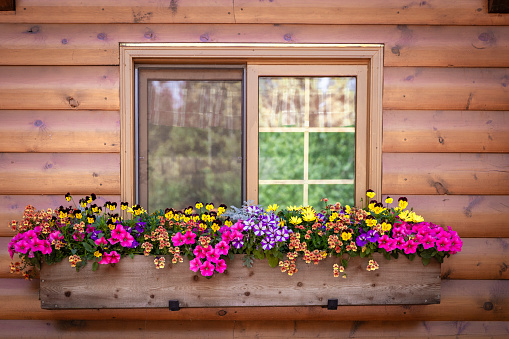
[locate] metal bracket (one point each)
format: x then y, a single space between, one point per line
174 305
332 304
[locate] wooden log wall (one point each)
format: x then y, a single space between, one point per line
445 146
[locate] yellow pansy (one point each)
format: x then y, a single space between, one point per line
346 236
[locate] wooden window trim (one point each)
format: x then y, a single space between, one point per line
370 55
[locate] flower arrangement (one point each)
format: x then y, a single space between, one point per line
86 232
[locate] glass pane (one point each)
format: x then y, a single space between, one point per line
283 195
335 193
281 156
307 101
194 143
331 155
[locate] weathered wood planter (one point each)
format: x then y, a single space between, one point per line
134 283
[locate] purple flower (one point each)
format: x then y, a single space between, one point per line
362 240
267 243
259 229
373 236
237 243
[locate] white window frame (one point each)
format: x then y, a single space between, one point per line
261 58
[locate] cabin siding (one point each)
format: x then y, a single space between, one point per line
445 147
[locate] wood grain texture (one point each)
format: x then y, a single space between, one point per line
97 44
446 131
480 258
461 300
254 329
125 11
482 216
59 173
445 173
430 12
419 88
60 131
12 206
134 283
59 87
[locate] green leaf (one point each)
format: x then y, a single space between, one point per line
425 261
273 261
131 255
387 255
95 266
88 247
411 257
248 261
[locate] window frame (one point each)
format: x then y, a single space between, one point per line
259 56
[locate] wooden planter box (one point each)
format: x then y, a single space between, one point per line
134 283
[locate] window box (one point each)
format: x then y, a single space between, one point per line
137 284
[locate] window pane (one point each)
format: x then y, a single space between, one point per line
335 193
281 156
283 195
331 155
194 143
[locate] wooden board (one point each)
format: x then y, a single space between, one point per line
471 216
60 131
419 88
63 87
133 283
461 300
446 131
59 173
445 173
480 258
254 329
12 206
431 12
97 44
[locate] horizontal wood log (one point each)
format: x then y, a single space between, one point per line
418 88
60 131
12 206
445 173
64 87
59 173
482 216
97 44
134 283
252 329
480 258
125 11
446 131
432 12
461 300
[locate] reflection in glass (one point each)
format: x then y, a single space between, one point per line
194 143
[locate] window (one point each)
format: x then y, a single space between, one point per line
286 124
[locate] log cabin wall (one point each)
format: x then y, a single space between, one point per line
445 146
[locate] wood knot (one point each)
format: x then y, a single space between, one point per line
488 306
247 294
287 37
34 30
195 278
204 37
300 284
101 36
73 102
38 123
67 294
222 313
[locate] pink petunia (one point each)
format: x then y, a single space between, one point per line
189 238
427 241
22 246
113 241
127 240
221 266
46 247
399 242
213 255
207 269
195 264
55 236
222 248
177 239
410 247
119 232
115 257
443 244
199 252
387 243
37 245
30 236
455 245
101 241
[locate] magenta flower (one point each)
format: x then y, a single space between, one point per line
207 269
213 255
177 239
46 247
127 240
221 266
22 246
199 252
101 241
55 236
443 244
387 243
37 245
410 247
195 264
115 257
455 245
113 240
30 236
222 248
427 241
189 238
399 242
119 232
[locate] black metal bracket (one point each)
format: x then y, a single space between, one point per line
332 304
174 305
